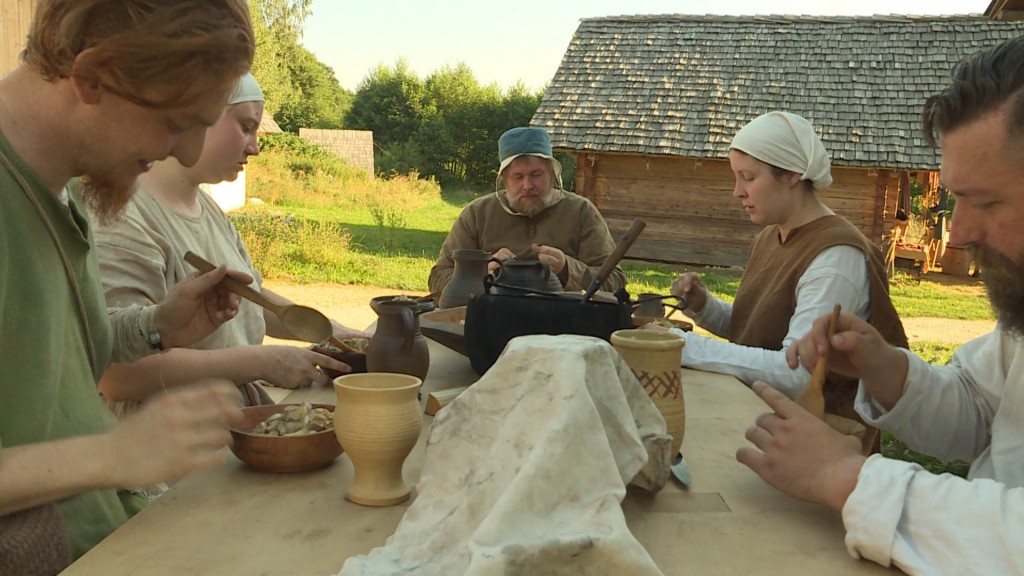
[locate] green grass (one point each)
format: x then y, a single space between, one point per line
896 449
938 296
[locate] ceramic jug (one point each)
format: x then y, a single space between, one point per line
654 357
468 279
377 421
532 274
397 344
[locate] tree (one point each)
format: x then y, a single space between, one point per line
300 90
269 64
277 25
390 102
446 127
317 100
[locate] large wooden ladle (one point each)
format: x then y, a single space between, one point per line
303 322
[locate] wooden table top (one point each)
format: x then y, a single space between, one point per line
233 520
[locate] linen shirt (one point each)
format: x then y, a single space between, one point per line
142 256
923 523
836 275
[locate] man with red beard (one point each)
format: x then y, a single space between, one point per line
897 513
530 216
104 89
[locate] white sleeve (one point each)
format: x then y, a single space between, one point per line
837 275
714 317
900 514
963 395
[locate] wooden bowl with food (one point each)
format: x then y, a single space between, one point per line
286 437
354 354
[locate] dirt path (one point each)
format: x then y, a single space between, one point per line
350 306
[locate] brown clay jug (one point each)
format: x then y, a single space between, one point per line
468 279
398 345
531 274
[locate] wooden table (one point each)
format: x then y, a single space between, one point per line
233 520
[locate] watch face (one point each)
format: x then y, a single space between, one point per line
155 342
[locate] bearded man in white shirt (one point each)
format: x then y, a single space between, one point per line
897 513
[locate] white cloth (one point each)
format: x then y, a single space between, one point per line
972 410
838 275
248 90
524 471
787 141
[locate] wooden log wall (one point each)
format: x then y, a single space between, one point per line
15 19
692 216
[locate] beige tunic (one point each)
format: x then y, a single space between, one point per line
573 225
141 257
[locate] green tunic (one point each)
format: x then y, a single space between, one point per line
47 382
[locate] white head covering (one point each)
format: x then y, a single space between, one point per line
788 141
248 90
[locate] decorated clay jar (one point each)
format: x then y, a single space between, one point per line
654 358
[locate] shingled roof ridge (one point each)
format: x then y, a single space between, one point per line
664 18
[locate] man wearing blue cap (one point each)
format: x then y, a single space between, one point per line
530 216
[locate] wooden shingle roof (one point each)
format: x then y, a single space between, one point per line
683 85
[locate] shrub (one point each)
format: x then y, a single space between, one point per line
287 247
304 158
291 172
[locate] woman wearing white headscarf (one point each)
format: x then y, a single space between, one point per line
141 256
805 261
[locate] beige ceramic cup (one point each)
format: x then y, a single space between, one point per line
377 420
654 356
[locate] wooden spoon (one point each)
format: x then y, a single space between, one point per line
813 399
303 322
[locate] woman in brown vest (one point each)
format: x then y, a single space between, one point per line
805 261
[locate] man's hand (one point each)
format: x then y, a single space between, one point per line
194 308
176 432
554 258
856 350
502 254
799 454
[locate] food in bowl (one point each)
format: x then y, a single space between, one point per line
355 360
296 420
291 453
356 344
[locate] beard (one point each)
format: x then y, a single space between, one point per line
533 208
1004 282
107 194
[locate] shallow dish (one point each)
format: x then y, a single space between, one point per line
356 360
282 453
683 325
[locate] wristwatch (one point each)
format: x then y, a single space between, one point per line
154 339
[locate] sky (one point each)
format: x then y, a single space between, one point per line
521 40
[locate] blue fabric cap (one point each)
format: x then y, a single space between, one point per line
524 140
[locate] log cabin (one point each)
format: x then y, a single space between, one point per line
647 106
